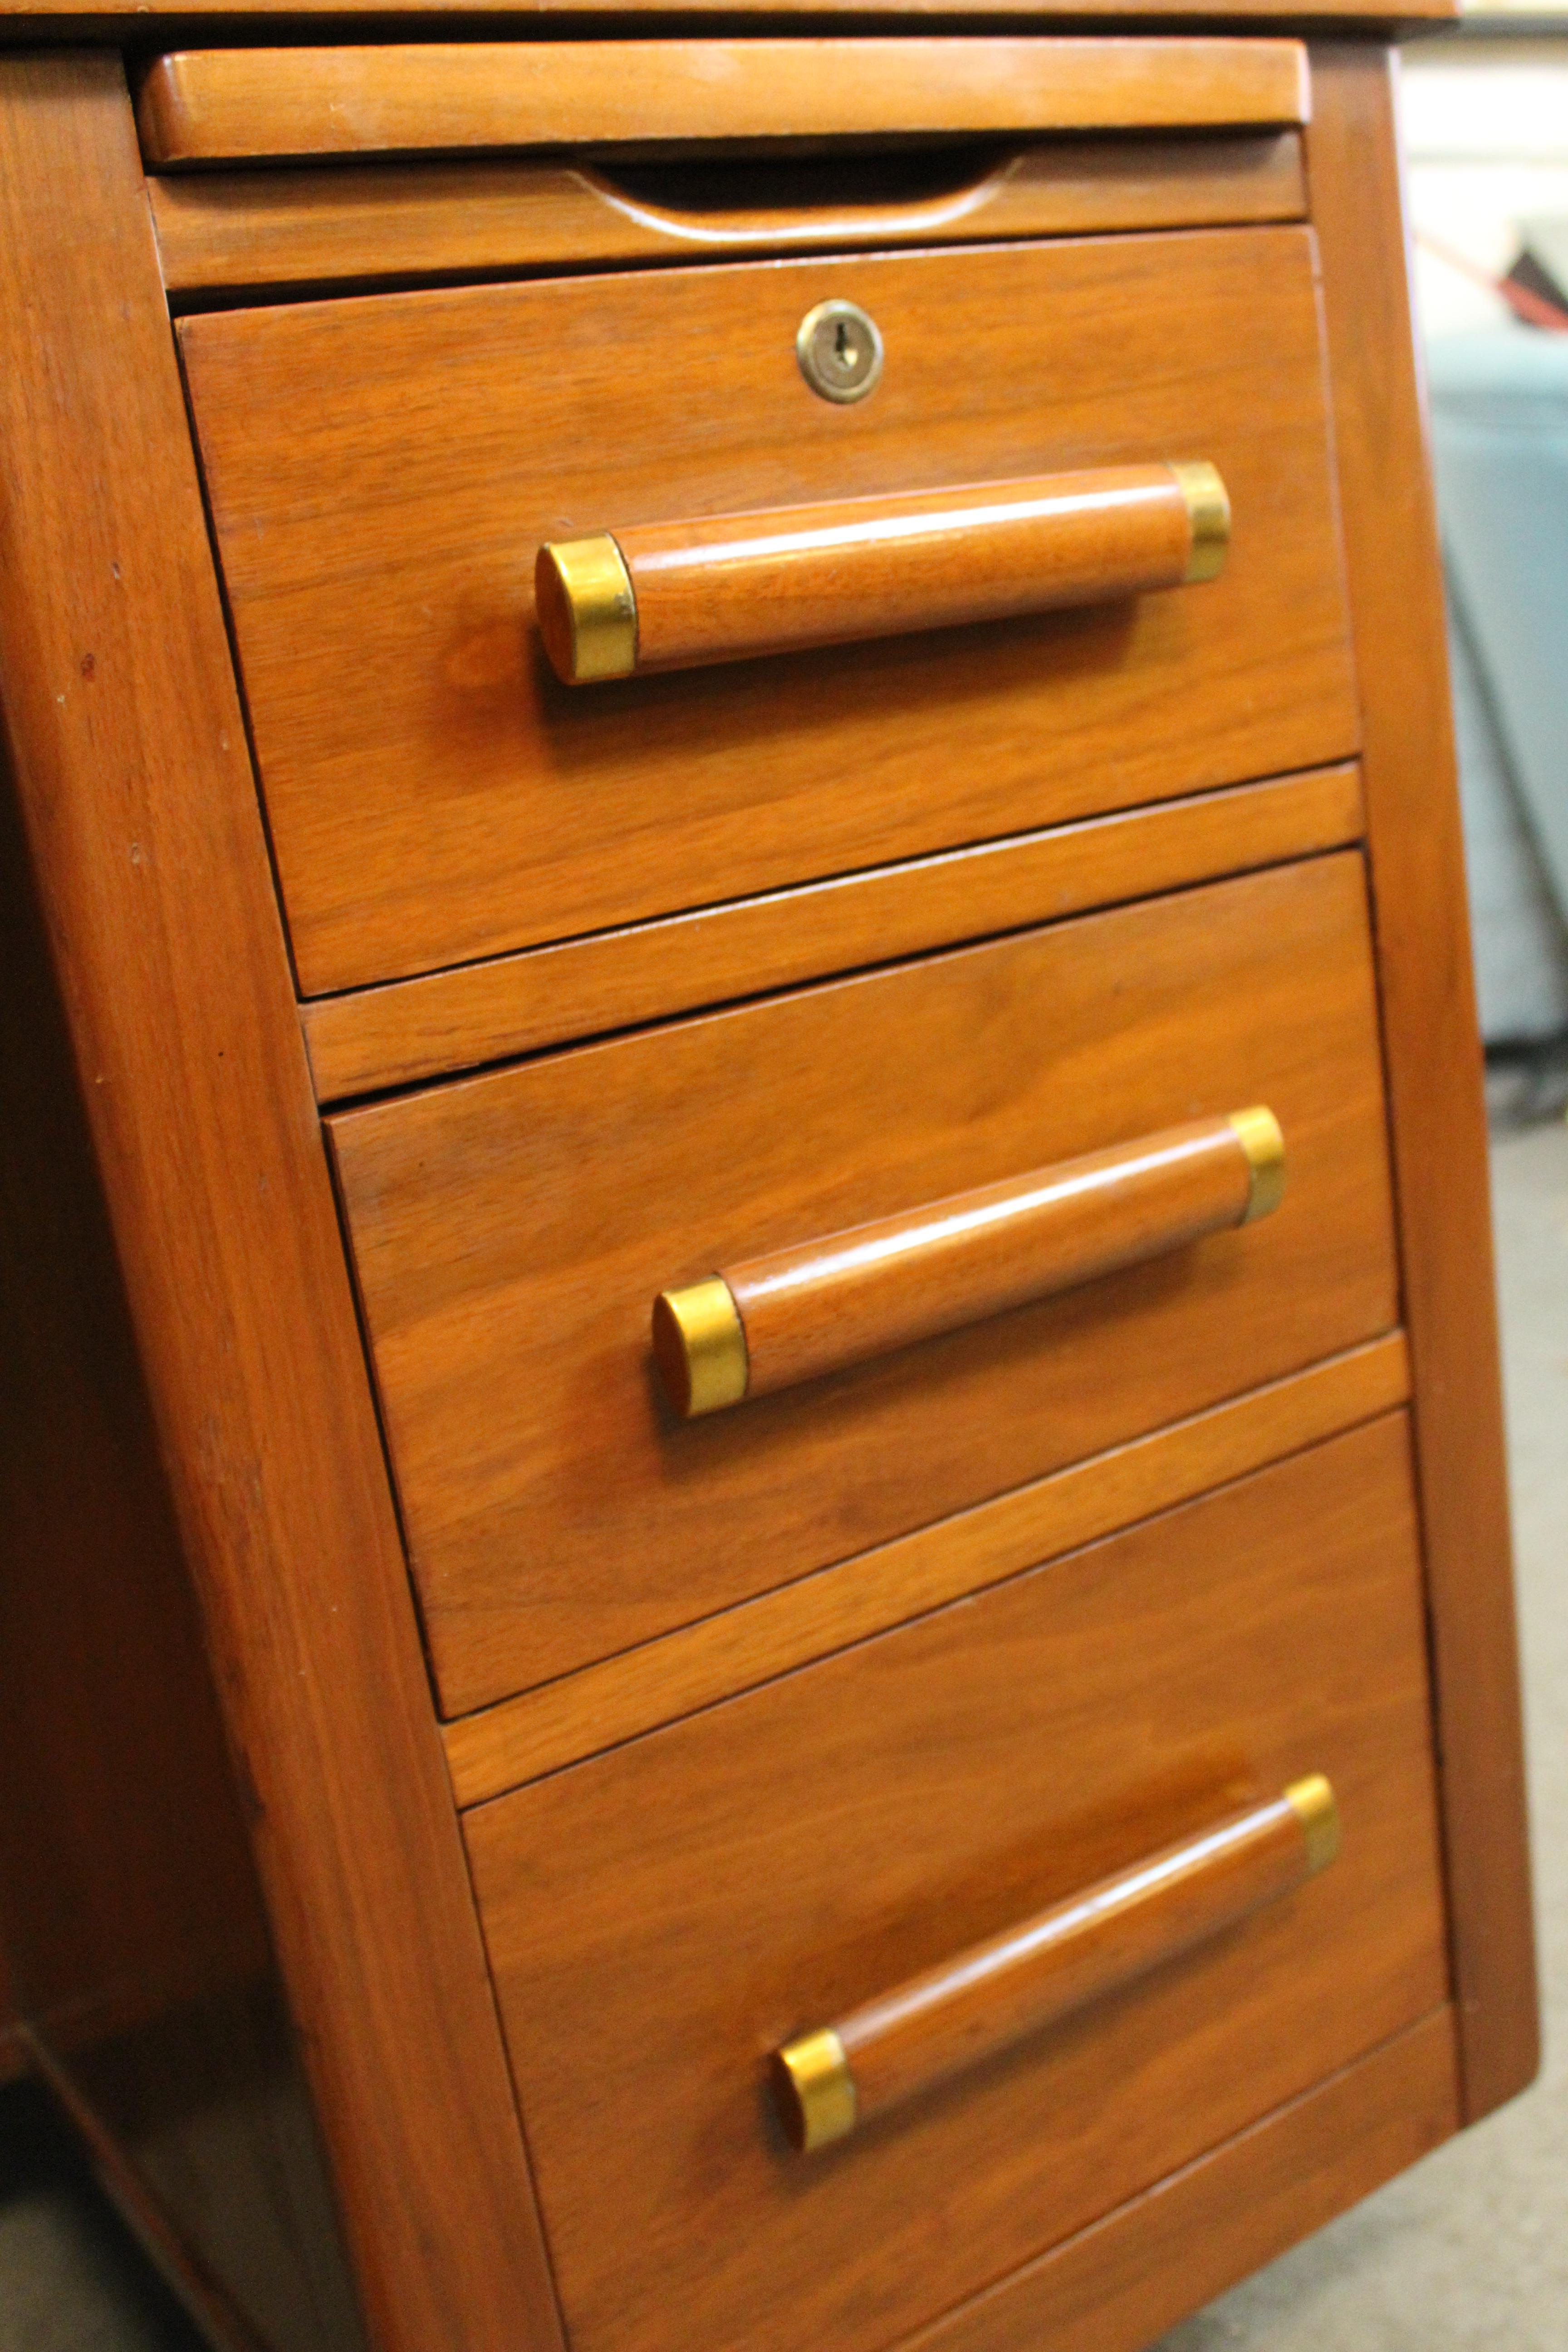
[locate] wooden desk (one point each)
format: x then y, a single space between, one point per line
537 1816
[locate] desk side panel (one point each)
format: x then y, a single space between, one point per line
1432 1046
136 1936
139 812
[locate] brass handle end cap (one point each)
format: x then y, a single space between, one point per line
1260 1137
699 1347
816 2090
1316 1806
1208 514
587 609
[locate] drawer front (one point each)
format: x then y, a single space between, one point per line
659 1918
383 471
511 1232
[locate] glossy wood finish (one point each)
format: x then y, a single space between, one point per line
731 587
701 1664
140 814
1437 1114
178 1006
938 1783
435 795
510 1233
1096 1942
231 229
1122 2281
818 1306
211 106
382 1037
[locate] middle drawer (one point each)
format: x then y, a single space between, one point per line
511 1231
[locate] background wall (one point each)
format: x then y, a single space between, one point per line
1485 119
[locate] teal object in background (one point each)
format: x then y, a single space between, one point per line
1500 424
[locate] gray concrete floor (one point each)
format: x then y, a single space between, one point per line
1468 2251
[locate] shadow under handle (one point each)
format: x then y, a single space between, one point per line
1073 1954
772 1322
723 588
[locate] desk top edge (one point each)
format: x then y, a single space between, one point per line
217 20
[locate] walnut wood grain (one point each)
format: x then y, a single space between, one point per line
1436 1108
174 969
1094 1943
1123 2281
326 226
853 1823
733 587
211 106
580 1714
139 806
816 1307
436 795
511 1231
381 1037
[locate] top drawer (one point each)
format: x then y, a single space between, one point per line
383 471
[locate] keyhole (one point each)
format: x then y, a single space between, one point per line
839 351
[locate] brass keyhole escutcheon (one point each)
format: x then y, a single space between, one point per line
839 348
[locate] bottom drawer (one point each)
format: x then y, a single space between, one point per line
662 1916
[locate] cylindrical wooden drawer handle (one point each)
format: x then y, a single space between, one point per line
774 1321
1059 1961
721 588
